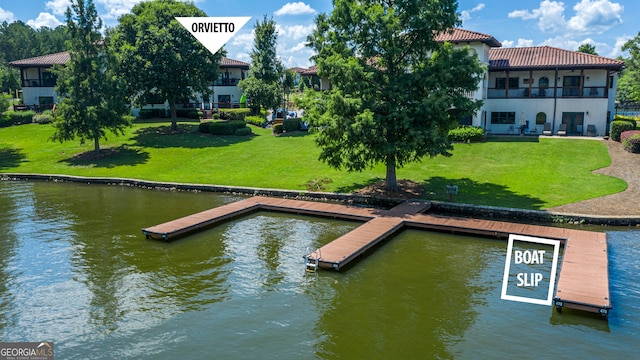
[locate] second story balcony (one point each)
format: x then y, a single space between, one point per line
549 92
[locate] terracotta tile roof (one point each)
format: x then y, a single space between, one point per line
547 57
298 69
461 35
63 57
60 58
313 70
227 62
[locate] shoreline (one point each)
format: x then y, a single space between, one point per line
440 207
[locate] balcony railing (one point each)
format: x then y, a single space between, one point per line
38 82
560 92
226 82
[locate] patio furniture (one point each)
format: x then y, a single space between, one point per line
591 130
547 129
562 130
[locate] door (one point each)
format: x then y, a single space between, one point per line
571 86
574 121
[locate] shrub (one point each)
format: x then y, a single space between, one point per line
627 134
255 120
632 143
245 131
222 127
618 127
238 114
20 117
146 113
466 134
292 124
204 127
5 121
278 129
46 117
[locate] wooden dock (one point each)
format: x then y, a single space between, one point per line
583 281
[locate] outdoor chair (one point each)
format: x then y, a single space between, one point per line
591 130
562 130
579 130
547 129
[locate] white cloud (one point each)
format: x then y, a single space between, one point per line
116 8
465 15
550 16
296 8
58 7
6 15
595 16
617 48
44 19
591 16
519 43
300 47
295 32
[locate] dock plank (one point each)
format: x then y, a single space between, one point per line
583 281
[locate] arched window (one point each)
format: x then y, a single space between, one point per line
543 82
541 118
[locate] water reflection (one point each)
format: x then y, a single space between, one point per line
415 296
75 269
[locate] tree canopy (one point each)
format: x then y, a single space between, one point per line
394 85
161 59
629 82
92 95
263 88
587 49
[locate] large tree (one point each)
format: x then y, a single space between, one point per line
264 87
394 85
162 59
629 83
92 95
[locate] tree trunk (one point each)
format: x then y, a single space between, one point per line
96 144
391 183
174 117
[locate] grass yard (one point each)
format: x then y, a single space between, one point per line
516 172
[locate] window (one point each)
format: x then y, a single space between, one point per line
543 83
514 83
541 118
48 79
610 82
504 117
45 100
571 86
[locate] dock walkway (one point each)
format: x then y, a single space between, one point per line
583 281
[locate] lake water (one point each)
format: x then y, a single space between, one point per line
75 269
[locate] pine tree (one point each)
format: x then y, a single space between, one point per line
263 88
92 95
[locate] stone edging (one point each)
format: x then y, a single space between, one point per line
491 212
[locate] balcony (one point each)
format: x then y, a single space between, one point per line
595 92
226 82
51 82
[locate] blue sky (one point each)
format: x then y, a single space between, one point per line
607 24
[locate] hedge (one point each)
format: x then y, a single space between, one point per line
19 117
618 127
45 117
245 131
226 127
203 127
234 114
466 134
292 124
189 113
255 120
278 129
632 143
627 134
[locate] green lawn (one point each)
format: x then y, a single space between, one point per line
513 173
